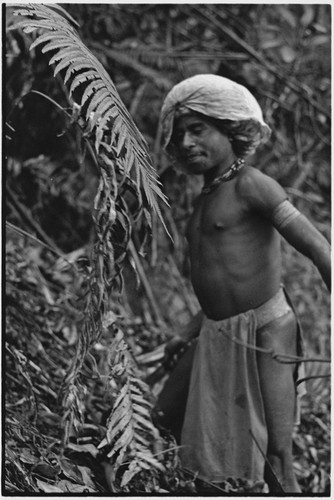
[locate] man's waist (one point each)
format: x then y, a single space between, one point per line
272 309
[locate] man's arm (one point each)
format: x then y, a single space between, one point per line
305 238
186 333
192 329
264 195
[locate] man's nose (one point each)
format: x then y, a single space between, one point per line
188 140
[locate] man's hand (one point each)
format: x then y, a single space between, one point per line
179 343
173 350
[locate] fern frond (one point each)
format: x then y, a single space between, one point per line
81 78
66 61
150 460
74 56
53 45
100 128
100 98
129 428
130 473
48 37
91 87
63 54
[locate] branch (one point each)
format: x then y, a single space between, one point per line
145 283
295 86
165 365
26 214
125 60
284 358
40 242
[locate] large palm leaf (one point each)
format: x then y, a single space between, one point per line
109 122
124 161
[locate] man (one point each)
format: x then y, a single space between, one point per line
242 402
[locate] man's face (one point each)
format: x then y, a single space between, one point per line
199 146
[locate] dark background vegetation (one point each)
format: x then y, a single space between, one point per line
282 53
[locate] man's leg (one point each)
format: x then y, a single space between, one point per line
279 398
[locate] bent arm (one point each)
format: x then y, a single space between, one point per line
264 195
306 239
192 329
187 333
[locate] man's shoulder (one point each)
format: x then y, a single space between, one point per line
251 179
259 189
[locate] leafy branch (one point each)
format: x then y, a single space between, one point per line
129 425
124 164
107 119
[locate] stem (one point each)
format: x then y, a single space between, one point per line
26 214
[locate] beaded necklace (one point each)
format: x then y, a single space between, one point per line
227 176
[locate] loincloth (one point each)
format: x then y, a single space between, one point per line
224 433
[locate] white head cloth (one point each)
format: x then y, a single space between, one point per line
216 97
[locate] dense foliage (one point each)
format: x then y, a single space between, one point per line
53 173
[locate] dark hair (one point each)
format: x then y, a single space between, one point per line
233 129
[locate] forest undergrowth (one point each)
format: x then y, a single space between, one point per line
42 321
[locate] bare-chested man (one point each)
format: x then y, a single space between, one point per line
241 401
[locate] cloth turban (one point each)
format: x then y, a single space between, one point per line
219 98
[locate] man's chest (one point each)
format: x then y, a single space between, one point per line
216 215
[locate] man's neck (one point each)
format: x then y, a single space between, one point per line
219 170
228 175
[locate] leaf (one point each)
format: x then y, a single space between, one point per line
122 443
319 40
271 44
67 60
47 487
90 89
45 470
102 126
100 111
87 476
144 423
142 441
71 470
98 99
84 448
124 418
103 443
81 78
74 56
287 15
70 334
109 319
27 457
53 38
65 53
308 15
288 54
68 486
148 457
132 470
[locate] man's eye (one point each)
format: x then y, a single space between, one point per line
197 130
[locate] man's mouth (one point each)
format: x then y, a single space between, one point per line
193 156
